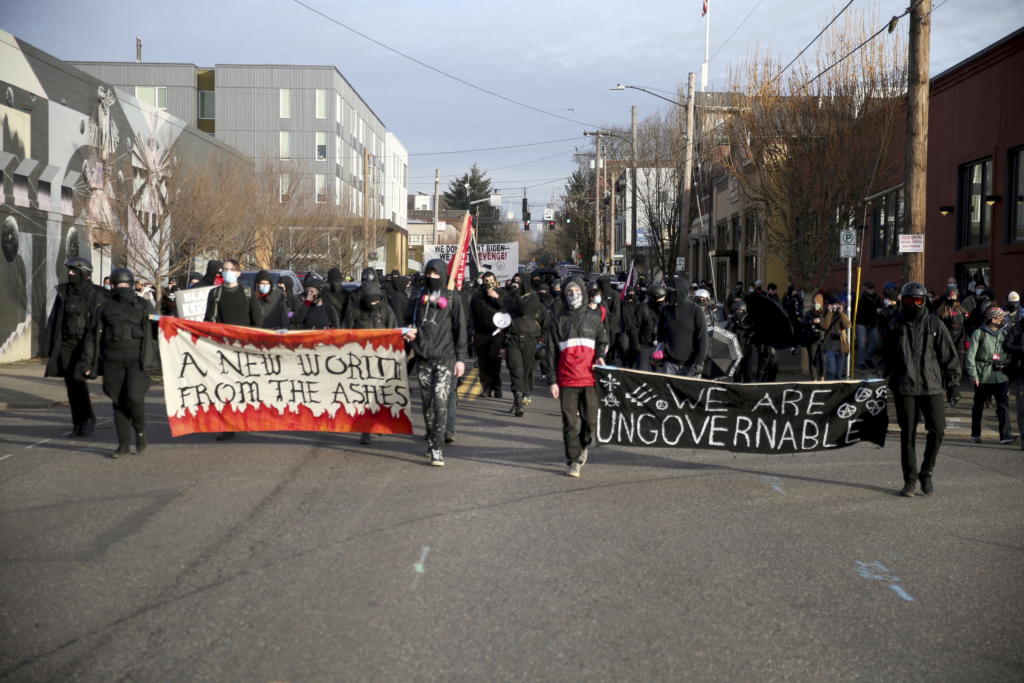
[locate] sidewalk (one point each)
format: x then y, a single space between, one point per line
23 387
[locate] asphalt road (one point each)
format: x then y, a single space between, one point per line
307 557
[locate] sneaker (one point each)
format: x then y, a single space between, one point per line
975 439
926 484
121 450
573 470
527 400
583 457
908 490
1008 440
365 438
436 458
140 444
449 438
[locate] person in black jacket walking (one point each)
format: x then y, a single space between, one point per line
529 319
922 368
370 312
267 305
682 331
488 340
438 339
1014 347
313 312
121 346
67 327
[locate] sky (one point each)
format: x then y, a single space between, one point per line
559 56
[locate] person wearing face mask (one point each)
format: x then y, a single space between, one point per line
121 346
1012 308
371 312
335 295
268 309
229 303
529 320
836 341
811 336
488 340
647 325
986 367
953 316
313 312
437 338
213 275
66 329
683 335
921 368
577 340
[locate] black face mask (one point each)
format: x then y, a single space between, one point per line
914 312
123 294
76 278
1011 305
368 302
433 284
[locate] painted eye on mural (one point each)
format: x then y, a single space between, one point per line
9 238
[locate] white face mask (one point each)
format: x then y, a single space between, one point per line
574 299
264 289
230 276
597 299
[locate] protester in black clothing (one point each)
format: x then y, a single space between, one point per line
312 312
286 283
66 330
398 295
922 369
121 346
438 340
529 320
740 325
812 336
887 313
1014 347
335 295
267 303
370 312
213 274
194 280
646 325
867 326
772 291
168 298
682 333
488 340
610 299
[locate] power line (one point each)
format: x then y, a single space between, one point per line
490 149
437 70
738 27
815 39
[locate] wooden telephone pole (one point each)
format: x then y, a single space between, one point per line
917 134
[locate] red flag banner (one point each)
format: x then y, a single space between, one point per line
704 11
457 267
226 378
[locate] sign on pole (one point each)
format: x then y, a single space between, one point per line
680 264
847 244
549 214
911 244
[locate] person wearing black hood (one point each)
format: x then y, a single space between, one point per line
646 325
335 295
398 294
66 329
529 320
682 331
488 340
286 283
370 312
921 367
267 304
213 274
313 313
437 337
121 346
610 298
577 340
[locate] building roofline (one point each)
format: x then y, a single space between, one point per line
949 74
107 63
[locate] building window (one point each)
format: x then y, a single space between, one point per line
321 103
206 104
975 214
337 150
1016 198
284 187
153 95
887 223
285 104
337 191
337 109
321 145
321 188
285 143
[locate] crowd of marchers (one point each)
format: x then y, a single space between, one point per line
541 326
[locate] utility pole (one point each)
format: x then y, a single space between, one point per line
917 133
691 86
632 217
609 234
597 190
437 185
367 247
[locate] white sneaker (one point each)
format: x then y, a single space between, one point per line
436 458
583 457
573 470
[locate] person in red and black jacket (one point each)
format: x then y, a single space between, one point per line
577 339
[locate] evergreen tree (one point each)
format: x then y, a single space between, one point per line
487 217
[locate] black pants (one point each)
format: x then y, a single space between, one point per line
579 418
78 390
488 358
641 358
520 356
816 361
909 410
1000 393
126 385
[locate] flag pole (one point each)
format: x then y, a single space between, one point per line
707 46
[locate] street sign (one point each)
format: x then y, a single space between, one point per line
549 214
847 244
680 264
911 244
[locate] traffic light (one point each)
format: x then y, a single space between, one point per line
526 208
526 218
551 225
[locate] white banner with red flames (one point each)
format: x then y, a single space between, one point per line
225 378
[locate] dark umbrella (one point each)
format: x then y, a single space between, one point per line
724 354
771 324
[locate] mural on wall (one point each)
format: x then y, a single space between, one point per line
77 157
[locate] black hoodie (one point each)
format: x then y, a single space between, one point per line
212 269
335 295
268 311
372 311
440 319
682 329
529 317
398 297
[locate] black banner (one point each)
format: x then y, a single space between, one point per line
647 409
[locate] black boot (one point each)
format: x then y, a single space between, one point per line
140 443
75 432
88 426
908 489
497 394
926 484
122 449
517 404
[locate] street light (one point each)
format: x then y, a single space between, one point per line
620 86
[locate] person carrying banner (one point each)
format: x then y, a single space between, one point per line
986 366
120 346
683 335
577 339
229 302
921 367
438 339
487 338
267 303
529 319
66 330
370 312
